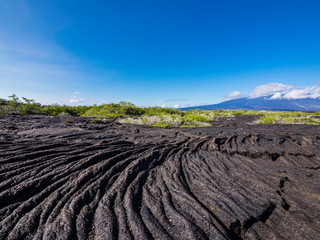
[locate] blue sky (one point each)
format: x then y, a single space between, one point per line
169 52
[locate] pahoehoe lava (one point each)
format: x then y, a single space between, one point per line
72 178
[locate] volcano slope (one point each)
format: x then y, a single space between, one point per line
71 178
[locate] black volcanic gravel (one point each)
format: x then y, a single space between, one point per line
70 178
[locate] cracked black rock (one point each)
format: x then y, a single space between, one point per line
70 178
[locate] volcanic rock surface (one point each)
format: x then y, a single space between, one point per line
71 178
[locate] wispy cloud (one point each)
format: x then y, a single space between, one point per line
76 99
233 95
33 64
177 100
44 71
34 68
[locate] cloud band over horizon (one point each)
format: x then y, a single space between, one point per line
279 91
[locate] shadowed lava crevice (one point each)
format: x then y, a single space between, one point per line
71 178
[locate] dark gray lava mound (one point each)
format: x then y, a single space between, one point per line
70 178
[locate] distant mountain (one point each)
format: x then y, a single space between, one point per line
264 103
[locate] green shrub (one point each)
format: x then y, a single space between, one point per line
268 120
113 110
157 111
152 116
291 119
165 120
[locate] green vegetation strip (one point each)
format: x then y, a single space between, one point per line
126 112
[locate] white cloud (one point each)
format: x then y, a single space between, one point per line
234 95
76 99
77 93
282 91
269 89
308 92
277 95
183 105
177 100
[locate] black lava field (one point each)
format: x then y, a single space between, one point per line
73 178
